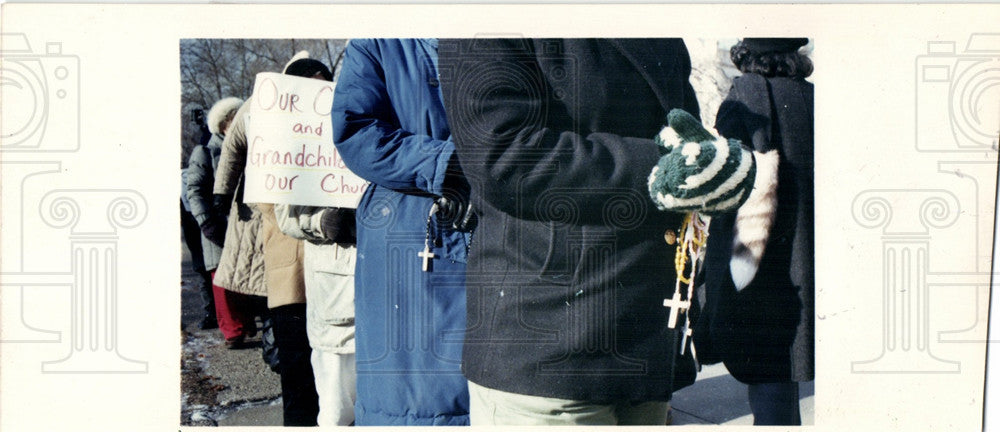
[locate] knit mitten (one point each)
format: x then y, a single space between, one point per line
699 172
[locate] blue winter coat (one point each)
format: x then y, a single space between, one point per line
389 126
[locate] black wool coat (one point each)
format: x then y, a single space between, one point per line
568 268
764 333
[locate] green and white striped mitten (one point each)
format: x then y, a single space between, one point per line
699 172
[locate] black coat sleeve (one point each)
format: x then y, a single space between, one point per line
517 136
746 113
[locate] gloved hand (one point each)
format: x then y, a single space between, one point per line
699 172
339 225
456 214
454 208
221 204
214 229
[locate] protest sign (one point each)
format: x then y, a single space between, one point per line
291 158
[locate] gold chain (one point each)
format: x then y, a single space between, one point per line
687 247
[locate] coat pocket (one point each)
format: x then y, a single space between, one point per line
561 257
330 295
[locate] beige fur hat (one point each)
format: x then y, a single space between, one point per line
221 111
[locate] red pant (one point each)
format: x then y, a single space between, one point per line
234 311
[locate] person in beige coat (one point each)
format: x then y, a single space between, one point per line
241 266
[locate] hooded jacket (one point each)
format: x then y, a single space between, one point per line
281 255
390 127
199 177
201 171
241 266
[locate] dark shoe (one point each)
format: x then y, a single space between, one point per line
208 323
238 342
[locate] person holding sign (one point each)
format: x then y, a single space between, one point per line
390 127
283 264
329 245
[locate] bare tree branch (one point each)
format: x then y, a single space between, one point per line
211 69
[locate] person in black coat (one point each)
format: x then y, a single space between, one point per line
758 313
568 268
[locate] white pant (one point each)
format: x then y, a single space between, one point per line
336 384
329 277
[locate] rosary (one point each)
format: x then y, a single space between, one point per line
700 173
427 255
691 247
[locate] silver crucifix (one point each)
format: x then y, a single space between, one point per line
427 255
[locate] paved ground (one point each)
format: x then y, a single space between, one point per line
223 387
717 398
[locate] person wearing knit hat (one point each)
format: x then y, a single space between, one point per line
283 273
771 57
304 66
328 237
759 282
192 235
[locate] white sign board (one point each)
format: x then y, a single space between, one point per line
291 158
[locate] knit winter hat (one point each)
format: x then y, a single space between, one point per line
303 66
763 45
700 172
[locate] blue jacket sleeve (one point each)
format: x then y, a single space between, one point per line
368 132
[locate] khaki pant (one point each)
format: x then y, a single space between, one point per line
494 407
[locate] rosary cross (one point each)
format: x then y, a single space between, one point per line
676 305
427 255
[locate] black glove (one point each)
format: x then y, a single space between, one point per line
456 214
221 204
214 229
454 207
338 224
